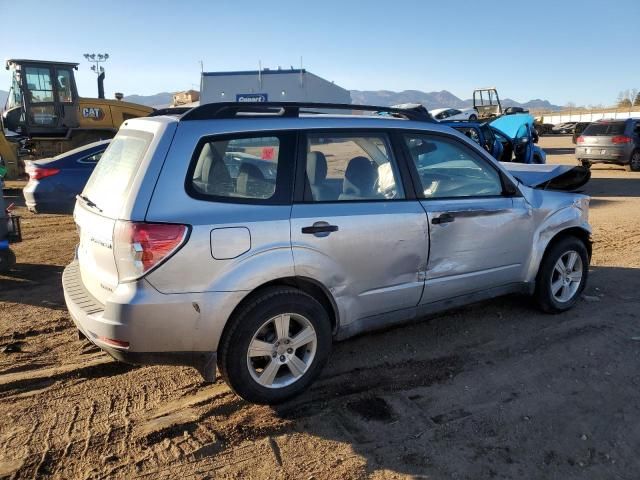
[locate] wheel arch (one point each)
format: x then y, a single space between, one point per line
305 284
580 233
574 231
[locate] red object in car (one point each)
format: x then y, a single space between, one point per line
618 139
580 139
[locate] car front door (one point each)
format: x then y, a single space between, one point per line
355 228
480 236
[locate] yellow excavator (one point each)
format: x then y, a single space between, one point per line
45 116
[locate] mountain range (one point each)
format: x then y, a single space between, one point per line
430 100
433 100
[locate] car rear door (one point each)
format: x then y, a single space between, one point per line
354 226
480 237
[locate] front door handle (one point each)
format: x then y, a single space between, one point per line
444 218
320 229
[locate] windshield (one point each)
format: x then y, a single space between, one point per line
111 180
604 129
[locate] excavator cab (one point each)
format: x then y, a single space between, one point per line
43 98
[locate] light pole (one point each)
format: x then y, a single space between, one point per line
97 59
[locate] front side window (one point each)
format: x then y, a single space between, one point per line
39 84
242 168
350 168
448 169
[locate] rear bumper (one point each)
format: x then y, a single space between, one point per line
602 154
146 327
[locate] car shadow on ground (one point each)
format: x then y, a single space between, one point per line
613 187
485 390
559 151
33 284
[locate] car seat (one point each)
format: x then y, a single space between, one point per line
359 180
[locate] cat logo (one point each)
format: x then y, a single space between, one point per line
94 113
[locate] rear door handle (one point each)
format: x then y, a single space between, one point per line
444 218
320 229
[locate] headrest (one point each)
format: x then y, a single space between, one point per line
360 177
316 167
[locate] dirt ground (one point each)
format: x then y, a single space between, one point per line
495 390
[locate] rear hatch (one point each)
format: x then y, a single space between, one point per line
602 134
101 204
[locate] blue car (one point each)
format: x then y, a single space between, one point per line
508 138
55 182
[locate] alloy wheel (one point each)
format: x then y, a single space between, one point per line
282 350
566 276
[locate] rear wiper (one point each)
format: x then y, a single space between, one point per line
88 202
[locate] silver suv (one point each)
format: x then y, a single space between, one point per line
251 236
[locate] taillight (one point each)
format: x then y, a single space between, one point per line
621 139
36 173
580 139
139 247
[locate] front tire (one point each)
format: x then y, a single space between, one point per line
634 162
562 275
275 346
473 118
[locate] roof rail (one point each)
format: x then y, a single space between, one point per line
293 109
169 111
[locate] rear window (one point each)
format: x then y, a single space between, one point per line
111 180
604 129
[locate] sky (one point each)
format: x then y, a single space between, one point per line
579 51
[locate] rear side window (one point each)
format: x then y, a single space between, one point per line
604 129
343 167
111 180
242 169
91 158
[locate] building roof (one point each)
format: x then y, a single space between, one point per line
254 72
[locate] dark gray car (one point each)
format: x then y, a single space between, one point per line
611 141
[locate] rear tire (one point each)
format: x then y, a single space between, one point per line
263 357
585 163
634 162
562 275
7 260
473 118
